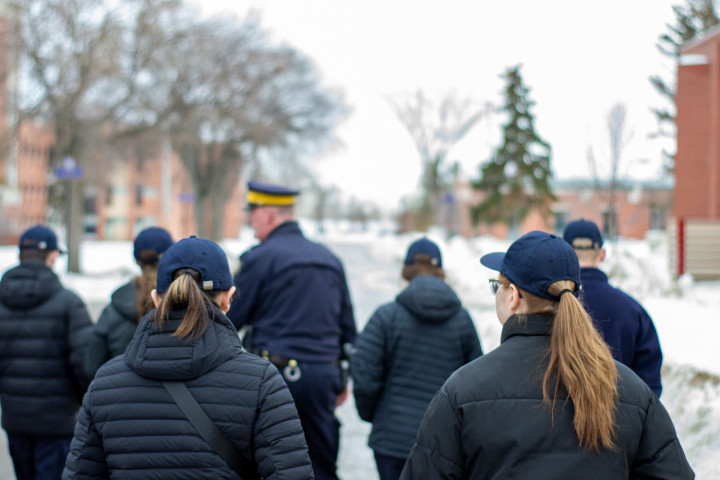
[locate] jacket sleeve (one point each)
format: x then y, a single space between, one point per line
86 459
660 454
79 329
472 347
437 453
280 447
348 329
647 360
367 365
97 350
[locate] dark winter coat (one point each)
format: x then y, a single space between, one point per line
294 294
43 330
114 329
403 356
129 426
489 422
625 326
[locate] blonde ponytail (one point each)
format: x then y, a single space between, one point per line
581 364
184 293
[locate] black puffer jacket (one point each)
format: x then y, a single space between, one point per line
403 356
114 329
43 330
489 422
129 427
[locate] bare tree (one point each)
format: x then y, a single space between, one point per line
83 59
619 138
435 129
223 93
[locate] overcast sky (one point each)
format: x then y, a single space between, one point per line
578 58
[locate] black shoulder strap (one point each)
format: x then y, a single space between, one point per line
208 430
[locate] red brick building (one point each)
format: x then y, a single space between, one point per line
696 209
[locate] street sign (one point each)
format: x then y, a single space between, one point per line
69 170
74 174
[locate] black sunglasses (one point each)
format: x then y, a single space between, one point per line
495 286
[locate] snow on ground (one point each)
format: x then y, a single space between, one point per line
686 312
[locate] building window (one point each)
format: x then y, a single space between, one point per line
138 195
658 218
561 219
610 227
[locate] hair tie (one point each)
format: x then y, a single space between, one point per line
566 290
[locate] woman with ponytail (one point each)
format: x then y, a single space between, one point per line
129 303
132 423
550 402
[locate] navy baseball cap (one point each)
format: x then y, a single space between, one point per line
39 237
535 261
263 194
583 229
151 243
424 246
199 254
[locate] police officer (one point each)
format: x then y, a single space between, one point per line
294 295
625 325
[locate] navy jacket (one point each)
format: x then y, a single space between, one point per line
625 326
403 356
114 329
129 426
294 294
489 422
43 330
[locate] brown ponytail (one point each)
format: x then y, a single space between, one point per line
145 283
581 364
184 293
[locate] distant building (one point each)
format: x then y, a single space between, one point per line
135 193
695 226
639 206
24 152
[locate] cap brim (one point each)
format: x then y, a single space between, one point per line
493 260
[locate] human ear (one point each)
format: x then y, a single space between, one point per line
226 299
155 297
514 298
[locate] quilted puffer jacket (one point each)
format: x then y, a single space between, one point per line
130 428
43 330
114 329
403 356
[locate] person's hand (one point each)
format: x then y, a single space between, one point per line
342 397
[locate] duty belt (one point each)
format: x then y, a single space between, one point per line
288 366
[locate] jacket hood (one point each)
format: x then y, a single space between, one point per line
28 285
124 300
429 299
161 356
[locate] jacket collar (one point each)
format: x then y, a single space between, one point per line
533 324
288 228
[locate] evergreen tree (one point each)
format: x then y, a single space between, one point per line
517 176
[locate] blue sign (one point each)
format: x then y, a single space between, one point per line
69 170
448 198
73 174
186 197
